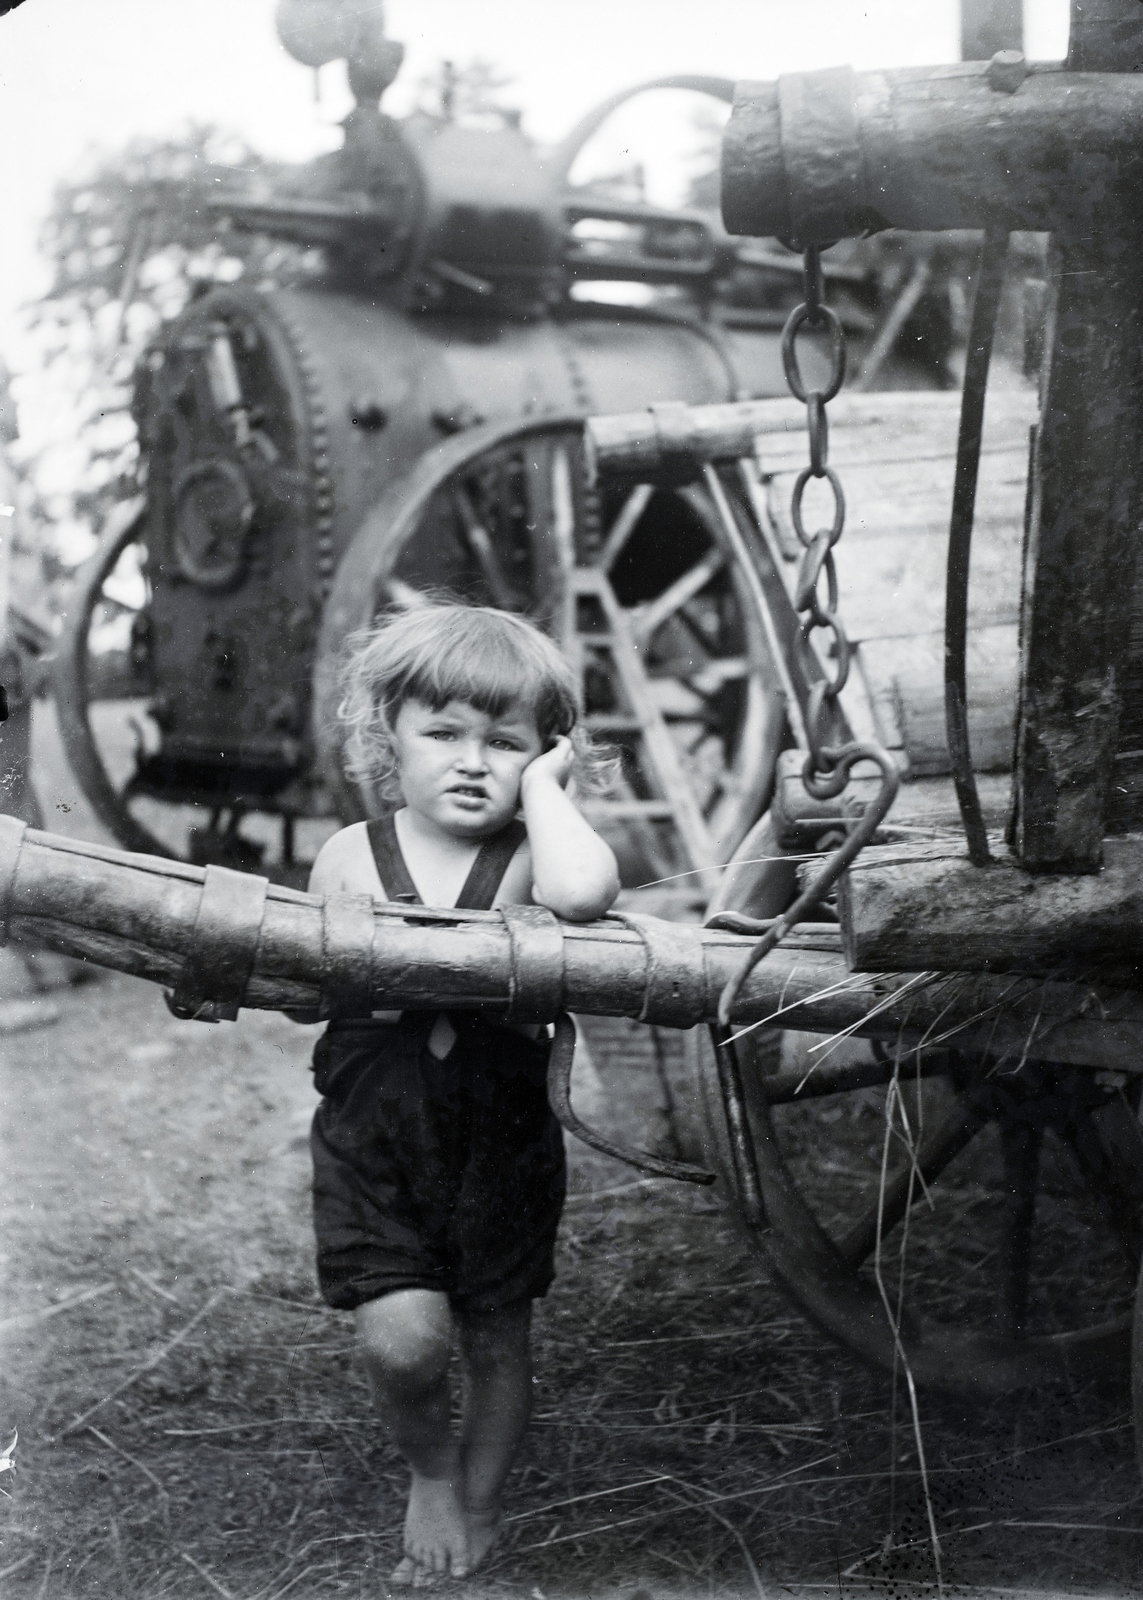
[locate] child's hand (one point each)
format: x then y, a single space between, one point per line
554 765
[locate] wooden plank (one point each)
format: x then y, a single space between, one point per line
914 426
897 466
991 722
1081 559
925 907
905 685
929 804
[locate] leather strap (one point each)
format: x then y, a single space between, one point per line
12 832
536 977
484 875
224 942
347 954
675 982
488 869
396 880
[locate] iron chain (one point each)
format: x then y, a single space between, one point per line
817 613
828 769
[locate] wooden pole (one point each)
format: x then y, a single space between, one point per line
146 916
1078 633
1080 561
1106 36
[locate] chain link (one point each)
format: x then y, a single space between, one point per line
818 613
828 769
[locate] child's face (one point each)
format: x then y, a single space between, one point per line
459 768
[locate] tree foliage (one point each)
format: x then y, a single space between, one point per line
129 242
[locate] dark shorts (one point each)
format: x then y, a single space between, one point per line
445 1175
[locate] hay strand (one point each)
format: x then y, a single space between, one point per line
148 1366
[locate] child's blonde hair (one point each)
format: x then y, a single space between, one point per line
443 650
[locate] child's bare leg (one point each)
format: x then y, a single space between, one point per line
496 1351
406 1340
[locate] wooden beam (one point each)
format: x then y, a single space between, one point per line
1084 528
920 907
138 914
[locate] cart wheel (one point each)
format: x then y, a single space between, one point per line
102 687
640 590
995 1214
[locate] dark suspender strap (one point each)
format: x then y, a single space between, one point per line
484 876
489 868
391 869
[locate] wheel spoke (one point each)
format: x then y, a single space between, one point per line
786 1088
479 542
1115 1185
1020 1142
651 617
663 753
935 1152
624 525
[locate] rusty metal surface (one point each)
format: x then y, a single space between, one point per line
350 395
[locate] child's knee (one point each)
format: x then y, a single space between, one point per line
406 1339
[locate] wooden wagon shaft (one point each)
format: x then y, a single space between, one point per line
1000 146
671 443
226 937
817 156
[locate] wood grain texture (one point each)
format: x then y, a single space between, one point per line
1080 568
917 907
136 915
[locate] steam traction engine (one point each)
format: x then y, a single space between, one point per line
279 430
944 885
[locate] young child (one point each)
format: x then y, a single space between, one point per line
438 1167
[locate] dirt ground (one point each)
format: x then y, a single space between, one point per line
192 1420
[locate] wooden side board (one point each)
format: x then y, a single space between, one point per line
895 455
922 906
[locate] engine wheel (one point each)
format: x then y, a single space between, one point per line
102 687
641 590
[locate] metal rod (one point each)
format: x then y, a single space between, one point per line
748 1184
983 327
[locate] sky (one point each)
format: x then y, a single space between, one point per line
76 75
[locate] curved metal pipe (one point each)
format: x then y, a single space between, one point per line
562 158
559 1098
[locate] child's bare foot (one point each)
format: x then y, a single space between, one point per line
436 1534
483 1526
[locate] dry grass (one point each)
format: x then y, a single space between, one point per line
692 1433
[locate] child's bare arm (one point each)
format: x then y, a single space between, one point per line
573 870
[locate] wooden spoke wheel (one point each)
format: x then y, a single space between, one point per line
103 689
109 714
638 586
991 1209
